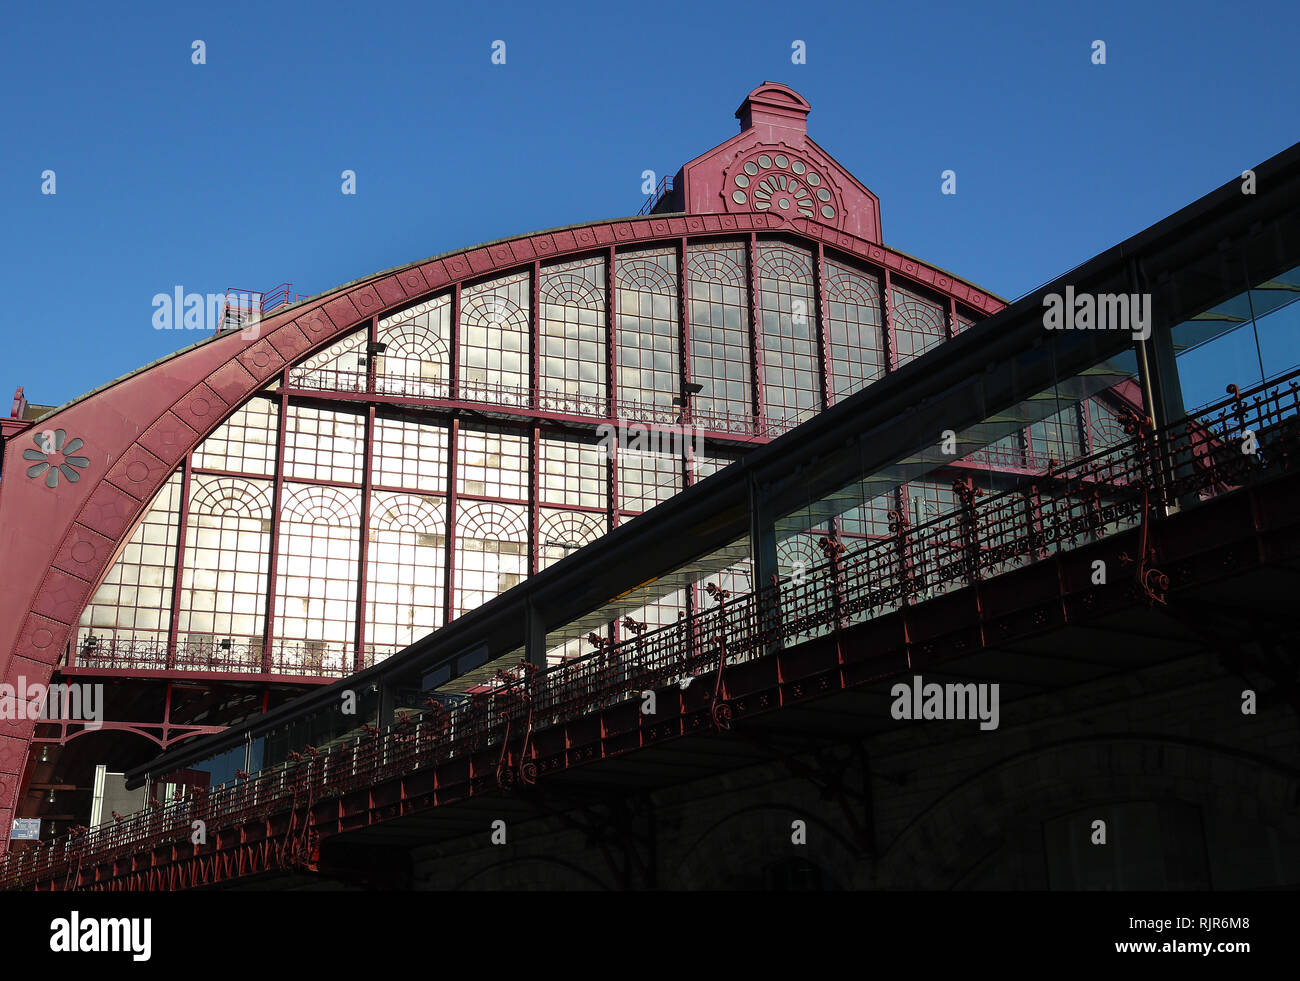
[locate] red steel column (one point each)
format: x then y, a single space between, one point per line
178 564
755 337
1085 420
684 335
534 336
363 532
272 577
683 331
611 469
823 330
611 385
535 463
611 336
453 437
363 552
684 353
453 370
887 318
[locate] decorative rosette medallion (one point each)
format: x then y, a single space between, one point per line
779 181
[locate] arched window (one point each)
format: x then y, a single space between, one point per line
787 310
856 329
649 372
571 328
720 335
494 348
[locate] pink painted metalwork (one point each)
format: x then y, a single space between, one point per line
142 428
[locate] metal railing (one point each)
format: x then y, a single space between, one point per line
356 381
1216 451
243 656
662 188
242 304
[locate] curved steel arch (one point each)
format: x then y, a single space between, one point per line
138 430
166 740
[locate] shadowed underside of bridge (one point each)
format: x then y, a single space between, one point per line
1231 566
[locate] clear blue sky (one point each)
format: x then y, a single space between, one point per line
228 174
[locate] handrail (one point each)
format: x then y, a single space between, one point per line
259 301
390 383
663 187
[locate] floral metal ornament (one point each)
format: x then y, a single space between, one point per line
785 182
53 456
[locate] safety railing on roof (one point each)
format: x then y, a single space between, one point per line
1219 449
242 305
662 188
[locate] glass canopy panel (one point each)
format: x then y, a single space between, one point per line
924 492
649 372
656 603
572 336
494 349
1277 320
787 310
720 356
1252 335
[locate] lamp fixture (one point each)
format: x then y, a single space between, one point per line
689 389
372 348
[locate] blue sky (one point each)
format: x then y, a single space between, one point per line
228 173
